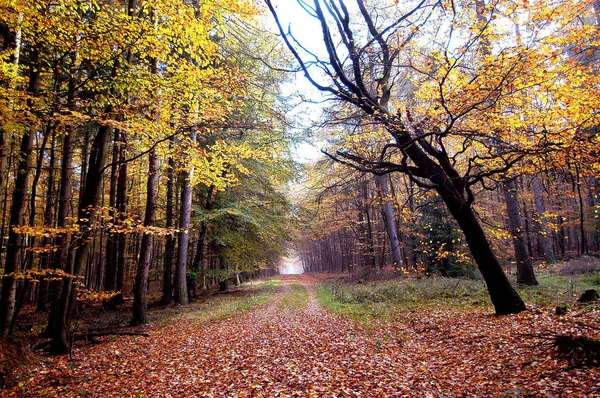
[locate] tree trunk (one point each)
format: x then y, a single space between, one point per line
505 298
32 199
181 294
223 281
525 274
42 298
140 302
390 222
121 203
110 275
17 209
61 259
544 230
85 219
167 290
583 240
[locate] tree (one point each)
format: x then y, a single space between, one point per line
525 273
465 106
11 267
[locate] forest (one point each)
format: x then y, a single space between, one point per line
153 189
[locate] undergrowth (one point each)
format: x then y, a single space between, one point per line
366 301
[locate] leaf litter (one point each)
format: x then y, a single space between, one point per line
286 351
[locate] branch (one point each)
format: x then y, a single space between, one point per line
295 53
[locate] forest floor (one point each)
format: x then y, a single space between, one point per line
293 346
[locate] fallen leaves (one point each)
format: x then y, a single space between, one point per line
286 351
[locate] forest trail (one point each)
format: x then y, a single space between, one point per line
275 350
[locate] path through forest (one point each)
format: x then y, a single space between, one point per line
281 350
275 350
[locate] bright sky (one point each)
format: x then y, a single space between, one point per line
307 30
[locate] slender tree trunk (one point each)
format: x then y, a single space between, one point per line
61 259
42 298
389 221
525 274
167 290
200 256
121 209
17 209
181 293
33 198
544 230
583 240
140 301
110 275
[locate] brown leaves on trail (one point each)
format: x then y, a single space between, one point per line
278 351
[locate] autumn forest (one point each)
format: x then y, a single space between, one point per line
431 168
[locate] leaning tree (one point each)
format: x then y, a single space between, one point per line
457 116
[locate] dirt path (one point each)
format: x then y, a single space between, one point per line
271 351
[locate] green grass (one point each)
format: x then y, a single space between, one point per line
379 300
557 289
361 312
250 296
296 299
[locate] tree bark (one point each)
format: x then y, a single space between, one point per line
110 275
390 222
181 293
140 301
85 218
544 230
167 290
17 209
525 274
121 204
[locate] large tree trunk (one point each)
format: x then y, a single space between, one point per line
505 298
525 274
17 209
389 220
140 302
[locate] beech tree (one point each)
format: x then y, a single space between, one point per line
467 104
